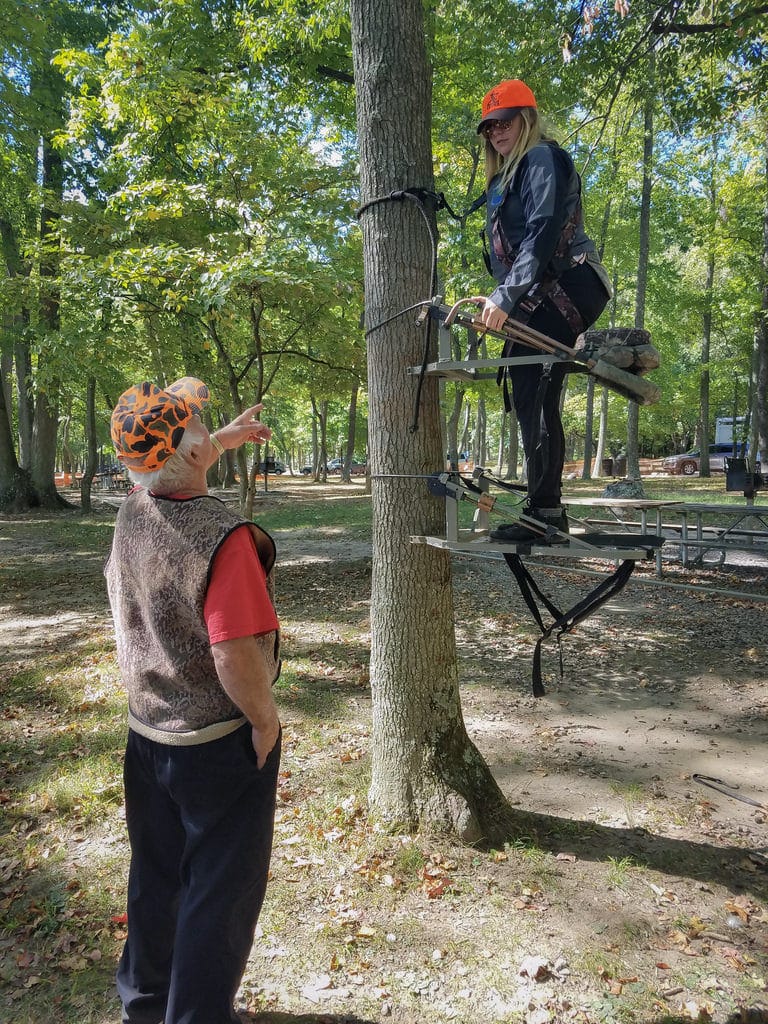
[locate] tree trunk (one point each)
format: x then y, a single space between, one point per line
46 422
452 428
17 326
760 427
586 468
16 491
514 447
425 770
633 410
91 448
24 402
6 370
323 414
350 452
502 443
479 444
602 430
706 341
319 434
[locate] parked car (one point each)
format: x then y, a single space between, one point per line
688 462
335 465
307 469
272 466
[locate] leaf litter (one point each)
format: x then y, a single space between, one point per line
364 923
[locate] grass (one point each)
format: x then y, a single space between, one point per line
349 513
631 795
618 870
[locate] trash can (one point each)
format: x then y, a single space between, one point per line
606 467
620 465
738 478
735 474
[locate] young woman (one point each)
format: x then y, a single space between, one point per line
547 273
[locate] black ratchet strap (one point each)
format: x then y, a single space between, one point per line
726 789
563 622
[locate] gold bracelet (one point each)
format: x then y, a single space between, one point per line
216 444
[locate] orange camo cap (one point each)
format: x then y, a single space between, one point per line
504 100
148 422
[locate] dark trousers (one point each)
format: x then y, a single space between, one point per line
541 425
200 823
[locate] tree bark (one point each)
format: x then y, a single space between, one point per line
706 342
91 447
352 422
633 410
425 770
514 447
760 427
16 490
46 420
586 468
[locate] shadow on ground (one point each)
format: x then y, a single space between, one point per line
729 866
276 1017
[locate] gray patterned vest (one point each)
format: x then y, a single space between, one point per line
157 576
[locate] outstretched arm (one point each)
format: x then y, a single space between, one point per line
245 427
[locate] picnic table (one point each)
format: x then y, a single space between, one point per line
695 526
111 480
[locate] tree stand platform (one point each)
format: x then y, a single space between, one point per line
624 549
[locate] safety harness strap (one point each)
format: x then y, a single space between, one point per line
562 621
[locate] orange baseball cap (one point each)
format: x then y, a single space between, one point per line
504 100
148 422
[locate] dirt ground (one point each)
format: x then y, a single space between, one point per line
633 893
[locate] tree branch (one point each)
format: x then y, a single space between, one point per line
312 359
338 76
658 27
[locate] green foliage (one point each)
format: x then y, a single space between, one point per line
207 215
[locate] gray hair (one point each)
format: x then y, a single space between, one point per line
173 475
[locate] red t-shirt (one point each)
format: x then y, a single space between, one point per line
236 602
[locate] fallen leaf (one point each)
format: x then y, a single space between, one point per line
736 906
535 967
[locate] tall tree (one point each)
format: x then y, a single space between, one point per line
644 248
425 769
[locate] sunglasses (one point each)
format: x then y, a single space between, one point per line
496 126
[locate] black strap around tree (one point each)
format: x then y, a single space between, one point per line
562 621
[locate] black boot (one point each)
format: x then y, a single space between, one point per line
520 533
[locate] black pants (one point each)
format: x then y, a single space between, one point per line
540 422
200 821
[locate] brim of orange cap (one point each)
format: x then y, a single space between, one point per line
502 114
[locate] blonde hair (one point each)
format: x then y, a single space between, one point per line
531 134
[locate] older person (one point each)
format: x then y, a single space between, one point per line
547 273
189 585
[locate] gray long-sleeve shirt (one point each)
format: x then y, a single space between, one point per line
532 211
